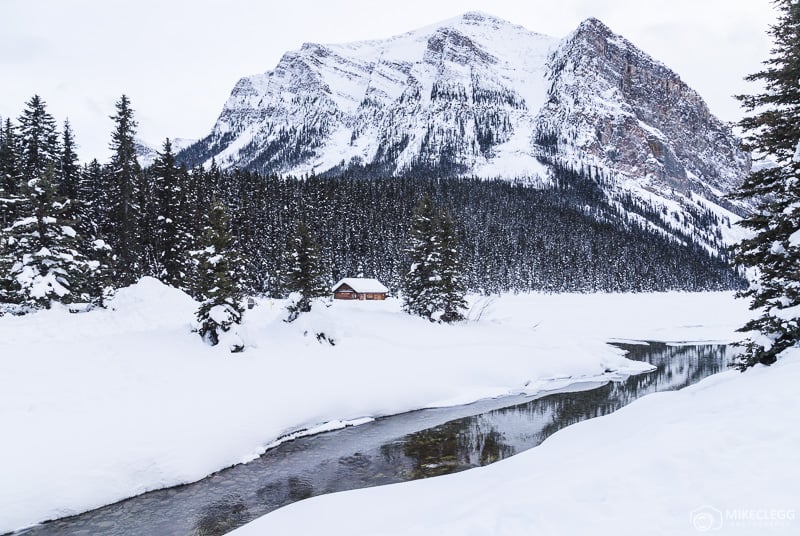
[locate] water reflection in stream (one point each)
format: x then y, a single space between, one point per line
404 447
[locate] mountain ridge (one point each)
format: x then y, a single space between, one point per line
311 73
389 86
476 95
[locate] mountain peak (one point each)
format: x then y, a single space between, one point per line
472 21
596 30
481 19
481 16
595 24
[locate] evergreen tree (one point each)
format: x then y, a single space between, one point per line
92 191
10 175
125 174
422 282
39 147
171 236
70 169
93 202
451 286
218 281
773 129
9 159
147 231
42 249
306 276
197 196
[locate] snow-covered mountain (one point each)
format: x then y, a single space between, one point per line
146 153
477 95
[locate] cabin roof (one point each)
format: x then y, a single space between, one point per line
361 284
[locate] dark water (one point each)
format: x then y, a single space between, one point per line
404 447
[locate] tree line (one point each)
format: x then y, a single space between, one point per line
72 233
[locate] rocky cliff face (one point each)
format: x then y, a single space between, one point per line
477 95
610 104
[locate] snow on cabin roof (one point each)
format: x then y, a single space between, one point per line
360 284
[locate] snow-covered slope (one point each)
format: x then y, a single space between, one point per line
100 406
147 153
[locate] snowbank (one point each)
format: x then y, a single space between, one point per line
719 457
100 406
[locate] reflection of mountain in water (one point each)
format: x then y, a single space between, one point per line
483 439
393 449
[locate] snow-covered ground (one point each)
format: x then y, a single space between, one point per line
719 457
99 406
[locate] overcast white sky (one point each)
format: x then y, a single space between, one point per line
178 59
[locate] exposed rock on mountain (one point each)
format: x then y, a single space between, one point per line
610 104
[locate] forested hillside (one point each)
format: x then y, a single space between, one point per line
512 237
71 233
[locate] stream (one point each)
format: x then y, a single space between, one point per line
417 444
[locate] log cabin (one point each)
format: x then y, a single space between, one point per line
359 288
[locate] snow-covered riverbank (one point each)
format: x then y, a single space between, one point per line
108 404
718 457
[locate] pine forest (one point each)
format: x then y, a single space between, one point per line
73 233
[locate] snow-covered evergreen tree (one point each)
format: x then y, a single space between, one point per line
306 276
451 285
218 282
421 285
125 173
92 186
41 252
774 250
70 170
171 238
10 178
433 288
38 142
91 194
9 157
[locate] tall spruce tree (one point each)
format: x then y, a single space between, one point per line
10 174
421 284
39 145
218 281
92 195
92 191
125 173
172 238
70 170
306 275
451 285
9 158
773 130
